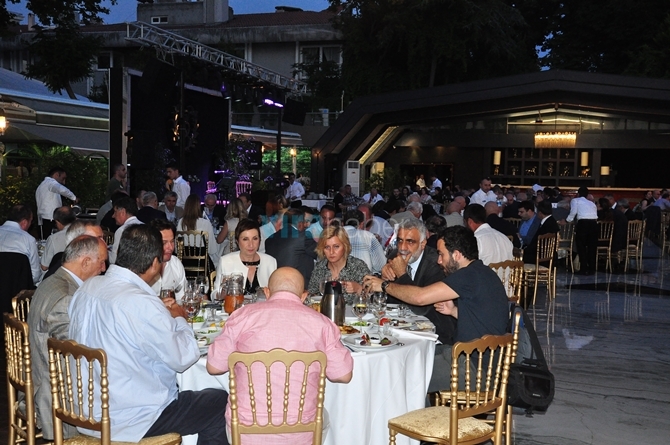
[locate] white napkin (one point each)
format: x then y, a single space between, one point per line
403 333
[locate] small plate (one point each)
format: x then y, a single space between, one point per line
209 333
355 342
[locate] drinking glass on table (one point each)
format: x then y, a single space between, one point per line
191 304
360 306
379 305
233 295
202 284
167 293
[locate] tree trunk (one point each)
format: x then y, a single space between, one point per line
70 92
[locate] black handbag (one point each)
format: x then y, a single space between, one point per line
530 385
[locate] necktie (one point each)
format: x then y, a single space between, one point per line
409 271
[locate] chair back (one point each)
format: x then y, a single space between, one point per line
193 251
566 234
232 242
546 249
21 304
635 233
515 221
15 276
261 385
108 236
485 380
76 391
605 230
511 275
19 381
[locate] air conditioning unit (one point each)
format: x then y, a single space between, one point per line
353 176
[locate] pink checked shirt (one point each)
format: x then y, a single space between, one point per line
281 322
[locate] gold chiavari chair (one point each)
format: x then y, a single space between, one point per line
604 249
72 371
543 271
108 236
566 240
193 252
663 238
21 304
511 275
483 391
20 392
261 399
515 221
634 244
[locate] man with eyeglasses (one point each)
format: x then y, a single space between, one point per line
416 265
484 194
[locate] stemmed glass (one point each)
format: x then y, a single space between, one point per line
360 306
191 304
379 307
202 284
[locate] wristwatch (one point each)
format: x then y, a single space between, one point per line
384 285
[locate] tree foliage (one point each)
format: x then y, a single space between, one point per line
5 17
392 45
616 36
324 82
64 54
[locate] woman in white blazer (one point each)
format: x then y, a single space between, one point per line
255 266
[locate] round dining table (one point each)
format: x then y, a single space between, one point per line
385 384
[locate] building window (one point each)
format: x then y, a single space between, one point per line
159 20
322 54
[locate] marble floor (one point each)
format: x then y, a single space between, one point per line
607 341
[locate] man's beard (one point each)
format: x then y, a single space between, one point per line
412 258
450 266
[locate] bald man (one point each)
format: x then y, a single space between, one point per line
282 322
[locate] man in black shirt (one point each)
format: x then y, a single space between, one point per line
482 306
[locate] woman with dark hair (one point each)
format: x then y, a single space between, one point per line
604 210
255 267
193 220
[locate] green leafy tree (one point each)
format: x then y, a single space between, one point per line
5 17
324 82
64 55
618 37
392 45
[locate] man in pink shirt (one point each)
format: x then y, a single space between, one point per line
280 322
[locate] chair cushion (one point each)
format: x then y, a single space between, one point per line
165 439
434 422
531 268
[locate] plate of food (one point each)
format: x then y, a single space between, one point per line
372 342
208 333
347 330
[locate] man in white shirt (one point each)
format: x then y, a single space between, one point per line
294 191
63 217
124 215
373 197
586 231
484 194
177 184
493 246
48 197
436 183
14 237
173 275
148 342
379 227
364 245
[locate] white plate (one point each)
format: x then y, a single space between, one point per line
355 342
205 333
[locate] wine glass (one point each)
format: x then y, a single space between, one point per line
360 306
202 284
191 304
167 293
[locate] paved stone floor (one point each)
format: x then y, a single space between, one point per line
607 340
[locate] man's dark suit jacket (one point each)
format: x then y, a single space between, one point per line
511 210
147 214
620 233
219 212
530 252
504 227
293 249
427 273
255 212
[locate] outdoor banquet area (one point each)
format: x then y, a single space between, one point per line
603 337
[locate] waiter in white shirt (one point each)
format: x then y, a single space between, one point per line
177 184
48 197
586 231
294 191
484 194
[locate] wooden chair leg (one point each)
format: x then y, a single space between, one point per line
508 426
535 292
392 435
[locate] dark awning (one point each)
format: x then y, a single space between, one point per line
85 142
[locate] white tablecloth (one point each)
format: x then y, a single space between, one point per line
384 385
314 203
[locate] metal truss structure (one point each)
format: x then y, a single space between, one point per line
168 45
